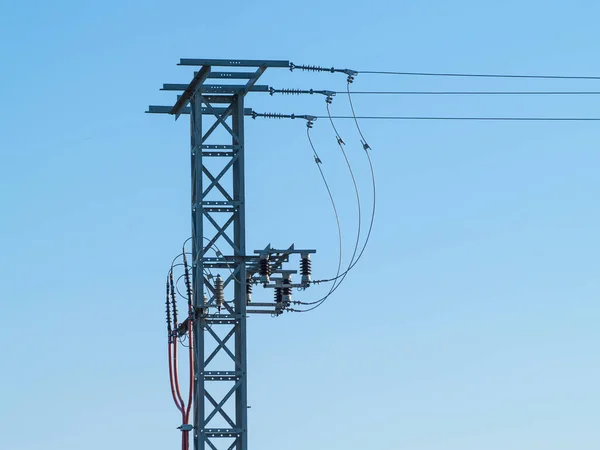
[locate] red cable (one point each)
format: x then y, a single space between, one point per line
171 380
176 373
191 369
174 369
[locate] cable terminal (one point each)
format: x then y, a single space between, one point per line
349 72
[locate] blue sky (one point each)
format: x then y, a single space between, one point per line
471 321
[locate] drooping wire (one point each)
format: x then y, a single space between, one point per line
339 278
356 192
207 270
337 217
218 252
374 190
366 148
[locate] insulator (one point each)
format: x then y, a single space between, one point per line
219 294
329 99
286 292
273 115
322 69
188 283
278 295
292 91
168 307
173 300
315 68
309 123
248 290
205 299
264 269
350 79
305 268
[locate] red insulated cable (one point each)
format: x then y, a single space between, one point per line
178 401
185 440
176 374
191 368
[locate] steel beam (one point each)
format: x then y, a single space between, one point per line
182 101
216 89
233 62
159 109
231 75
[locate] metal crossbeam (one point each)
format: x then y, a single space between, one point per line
217 89
231 75
233 62
158 109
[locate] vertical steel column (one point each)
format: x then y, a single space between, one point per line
240 285
197 266
232 319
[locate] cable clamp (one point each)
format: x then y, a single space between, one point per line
365 145
340 141
186 427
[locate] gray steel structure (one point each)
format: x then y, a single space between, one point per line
218 215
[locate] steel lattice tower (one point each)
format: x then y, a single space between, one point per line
218 215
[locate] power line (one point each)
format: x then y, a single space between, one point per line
479 75
530 119
351 73
472 92
339 278
474 118
337 217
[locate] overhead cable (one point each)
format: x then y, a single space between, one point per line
472 92
480 75
530 119
314 68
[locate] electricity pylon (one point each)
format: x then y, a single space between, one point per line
216 319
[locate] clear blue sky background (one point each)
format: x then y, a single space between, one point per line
470 324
